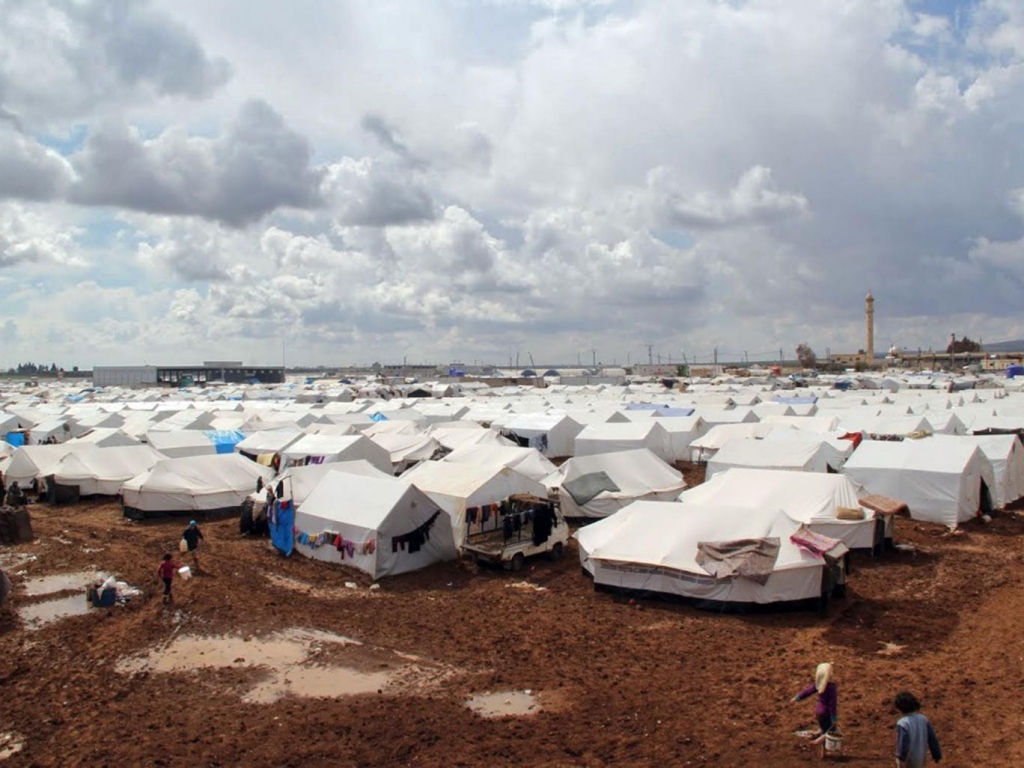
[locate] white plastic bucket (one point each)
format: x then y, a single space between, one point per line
833 741
185 572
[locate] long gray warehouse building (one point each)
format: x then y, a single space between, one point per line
229 372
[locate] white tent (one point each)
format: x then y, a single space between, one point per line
799 455
1006 455
193 484
708 444
682 431
269 441
940 481
56 429
454 438
584 491
379 519
104 470
808 497
455 486
106 437
327 448
626 436
406 450
806 423
300 481
181 443
35 462
551 434
652 546
527 461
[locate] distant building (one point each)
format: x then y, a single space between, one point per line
229 372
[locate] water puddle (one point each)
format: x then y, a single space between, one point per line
61 582
318 683
37 615
296 662
505 704
11 744
188 653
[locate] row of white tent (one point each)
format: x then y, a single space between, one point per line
938 476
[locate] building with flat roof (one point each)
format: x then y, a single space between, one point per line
229 372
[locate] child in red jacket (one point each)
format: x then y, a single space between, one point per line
166 571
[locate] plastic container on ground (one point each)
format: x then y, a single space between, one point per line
185 572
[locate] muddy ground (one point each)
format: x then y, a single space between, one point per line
644 683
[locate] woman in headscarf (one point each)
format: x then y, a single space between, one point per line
826 709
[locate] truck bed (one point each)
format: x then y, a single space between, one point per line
491 543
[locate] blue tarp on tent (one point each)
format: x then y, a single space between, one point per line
807 400
15 439
1013 371
645 406
378 417
225 440
676 412
282 531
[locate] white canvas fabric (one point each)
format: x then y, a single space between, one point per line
552 435
106 437
35 462
194 483
455 486
181 444
103 471
799 455
405 450
939 480
810 498
453 438
337 448
299 482
527 461
682 431
639 474
269 441
363 509
652 545
805 423
612 437
1006 454
704 447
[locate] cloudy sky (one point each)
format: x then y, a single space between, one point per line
346 182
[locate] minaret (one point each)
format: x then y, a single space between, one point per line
869 311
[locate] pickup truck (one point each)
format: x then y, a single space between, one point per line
526 526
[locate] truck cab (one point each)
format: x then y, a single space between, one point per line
520 527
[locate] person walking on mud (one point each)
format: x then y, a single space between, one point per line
166 571
826 708
915 736
192 535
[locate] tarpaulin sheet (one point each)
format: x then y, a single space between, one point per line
282 530
224 440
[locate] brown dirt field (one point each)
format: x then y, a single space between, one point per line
645 684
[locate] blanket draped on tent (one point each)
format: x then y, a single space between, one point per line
752 559
585 487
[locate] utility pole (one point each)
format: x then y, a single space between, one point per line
650 355
716 358
593 354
